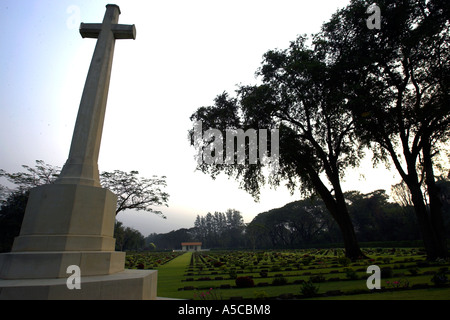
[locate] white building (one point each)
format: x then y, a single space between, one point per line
191 246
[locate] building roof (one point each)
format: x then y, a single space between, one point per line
191 243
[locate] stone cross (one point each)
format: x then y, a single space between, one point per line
81 167
69 225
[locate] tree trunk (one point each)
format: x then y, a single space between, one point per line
338 209
411 179
428 236
351 245
436 218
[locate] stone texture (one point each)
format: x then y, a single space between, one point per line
40 265
68 217
126 285
81 166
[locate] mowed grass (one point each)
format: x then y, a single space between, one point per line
179 274
170 276
419 294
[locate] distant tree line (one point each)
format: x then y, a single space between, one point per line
220 229
307 223
214 230
128 239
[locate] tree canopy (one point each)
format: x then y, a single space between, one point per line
317 141
351 87
221 229
396 80
133 192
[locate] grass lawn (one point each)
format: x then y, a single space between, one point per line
170 276
420 294
180 278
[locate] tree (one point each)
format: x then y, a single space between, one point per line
401 194
396 80
307 223
133 192
170 240
308 220
219 229
304 222
200 231
234 228
42 174
443 183
127 239
11 215
377 219
300 96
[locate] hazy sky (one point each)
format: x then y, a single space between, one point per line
185 53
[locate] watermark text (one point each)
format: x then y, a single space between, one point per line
74 280
210 143
374 20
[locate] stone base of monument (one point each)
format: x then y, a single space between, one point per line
125 285
50 264
67 225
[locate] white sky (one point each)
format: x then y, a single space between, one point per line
185 53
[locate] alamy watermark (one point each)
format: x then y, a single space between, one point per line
374 281
74 280
209 145
374 20
73 21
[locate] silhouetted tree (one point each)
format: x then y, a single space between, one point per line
127 239
11 215
303 222
299 96
171 240
133 193
396 80
219 230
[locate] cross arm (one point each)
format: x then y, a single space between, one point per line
124 31
121 31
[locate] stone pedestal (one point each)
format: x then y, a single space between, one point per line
68 217
125 285
64 225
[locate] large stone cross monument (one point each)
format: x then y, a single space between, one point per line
81 167
71 223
